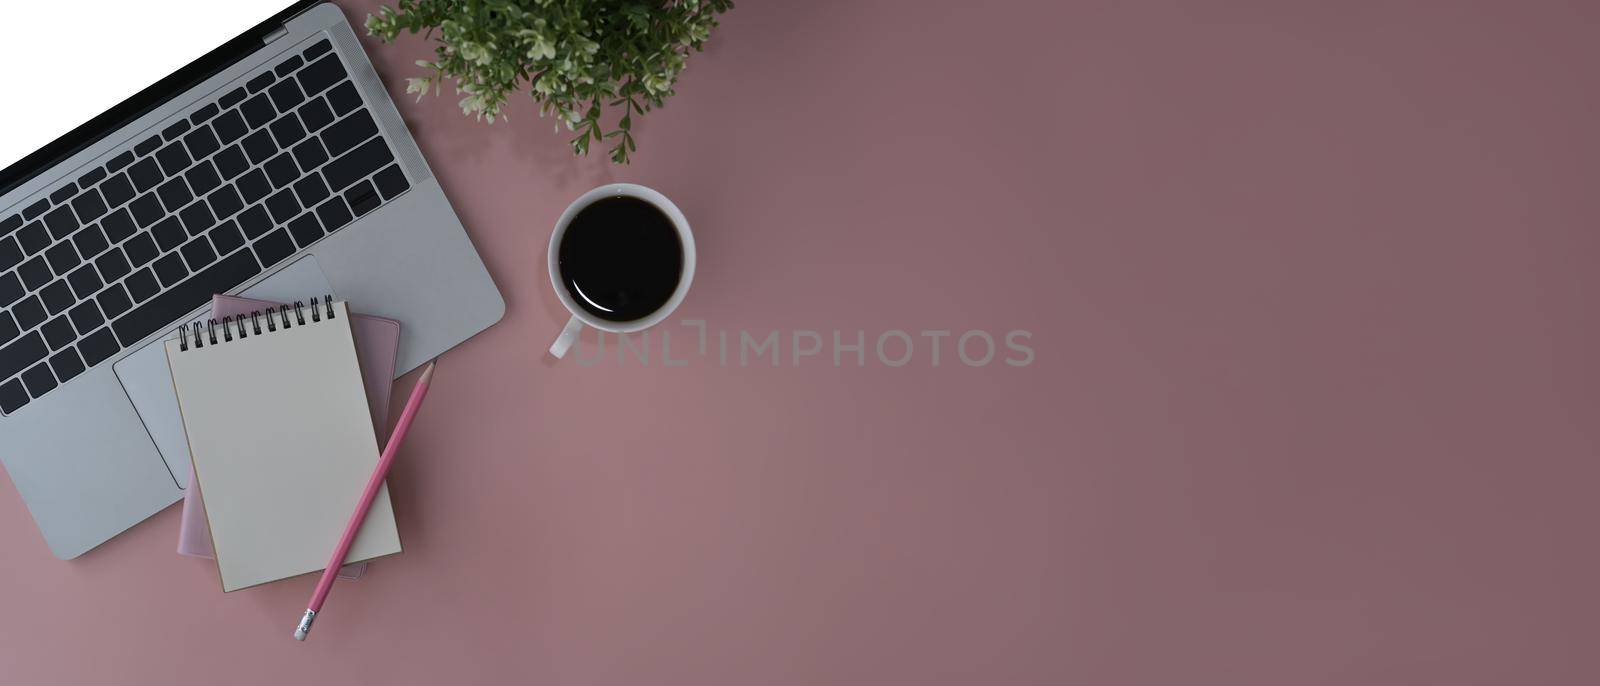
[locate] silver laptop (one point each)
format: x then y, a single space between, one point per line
271 163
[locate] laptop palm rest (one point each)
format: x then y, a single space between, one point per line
148 381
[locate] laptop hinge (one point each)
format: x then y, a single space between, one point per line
283 30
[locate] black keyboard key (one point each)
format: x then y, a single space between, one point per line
141 249
255 221
85 281
317 48
201 143
316 114
33 238
281 170
145 174
147 146
349 132
309 154
273 247
176 129
357 164
286 95
57 296
334 213
91 177
8 327
29 312
254 186
63 257
197 218
344 98
259 147
311 189
58 332
67 364
201 115
362 197
173 159
98 346
21 354
90 241
118 226
89 205
10 288
113 301
142 284
33 211
305 229
203 177
198 253
258 111
61 222
10 253
146 209
197 290
231 162
230 126
11 223
170 269
288 66
12 396
233 97
117 190
35 273
317 76
224 202
282 205
113 265
86 316
261 81
226 237
39 379
117 163
391 182
60 195
174 194
288 131
169 234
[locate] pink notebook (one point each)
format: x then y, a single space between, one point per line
377 343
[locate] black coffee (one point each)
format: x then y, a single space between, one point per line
620 258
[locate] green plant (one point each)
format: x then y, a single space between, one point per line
575 57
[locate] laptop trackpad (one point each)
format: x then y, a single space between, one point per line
148 381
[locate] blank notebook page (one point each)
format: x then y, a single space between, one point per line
282 444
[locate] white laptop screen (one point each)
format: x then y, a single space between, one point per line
70 61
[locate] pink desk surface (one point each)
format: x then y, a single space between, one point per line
1311 295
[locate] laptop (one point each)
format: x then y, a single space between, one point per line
244 147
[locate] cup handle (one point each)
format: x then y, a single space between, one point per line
568 336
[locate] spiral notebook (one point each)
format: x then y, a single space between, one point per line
377 343
281 439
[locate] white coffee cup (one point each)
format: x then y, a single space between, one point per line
580 316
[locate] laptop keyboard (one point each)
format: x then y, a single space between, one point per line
226 191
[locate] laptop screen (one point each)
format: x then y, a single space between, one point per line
70 61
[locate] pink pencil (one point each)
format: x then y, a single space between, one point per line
418 392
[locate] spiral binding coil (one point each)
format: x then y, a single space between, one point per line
200 336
